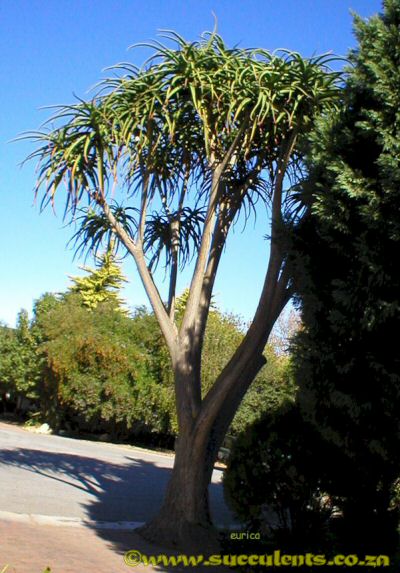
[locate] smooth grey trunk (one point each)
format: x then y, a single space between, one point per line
184 520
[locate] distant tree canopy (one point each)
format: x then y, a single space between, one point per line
102 284
97 375
91 368
19 364
347 360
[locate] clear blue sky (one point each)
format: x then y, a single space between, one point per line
48 50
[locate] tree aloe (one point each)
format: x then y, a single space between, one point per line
197 137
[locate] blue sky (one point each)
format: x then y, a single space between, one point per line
50 50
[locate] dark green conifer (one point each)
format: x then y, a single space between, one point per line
347 356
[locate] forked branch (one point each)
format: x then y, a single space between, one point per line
167 327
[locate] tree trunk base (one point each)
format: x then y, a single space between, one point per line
191 538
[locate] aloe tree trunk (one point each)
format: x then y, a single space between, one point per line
184 519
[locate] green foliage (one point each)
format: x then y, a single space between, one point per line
97 375
347 363
19 368
223 335
273 479
340 441
101 371
102 284
160 130
273 387
8 354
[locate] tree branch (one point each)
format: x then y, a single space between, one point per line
198 275
167 327
175 227
227 214
249 353
283 162
274 297
143 206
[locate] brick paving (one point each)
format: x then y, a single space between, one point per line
28 548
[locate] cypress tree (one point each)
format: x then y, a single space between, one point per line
101 285
347 362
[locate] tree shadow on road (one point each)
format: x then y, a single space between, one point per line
129 491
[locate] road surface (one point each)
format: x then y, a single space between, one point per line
64 479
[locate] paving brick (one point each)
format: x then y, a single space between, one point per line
27 548
31 547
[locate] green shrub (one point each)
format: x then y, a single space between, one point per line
273 481
97 376
19 365
273 387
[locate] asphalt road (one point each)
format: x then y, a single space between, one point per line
64 478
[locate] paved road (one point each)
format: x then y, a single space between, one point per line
66 478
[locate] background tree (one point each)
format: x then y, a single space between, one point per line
19 364
346 358
192 140
81 388
272 388
96 375
102 284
